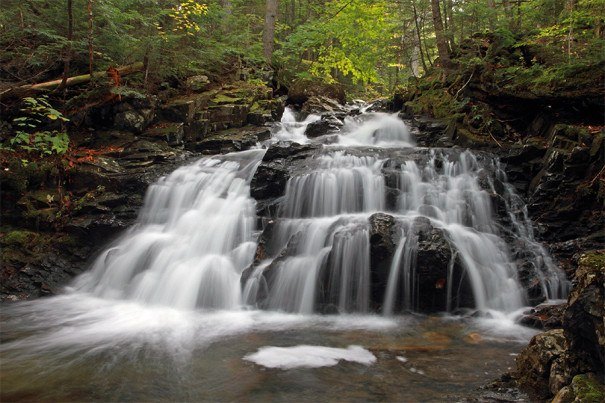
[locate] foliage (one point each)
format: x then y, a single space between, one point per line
38 112
364 45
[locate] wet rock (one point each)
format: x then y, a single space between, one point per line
433 259
544 316
383 241
237 139
583 319
327 124
278 165
320 105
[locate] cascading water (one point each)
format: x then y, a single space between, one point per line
197 269
193 240
195 235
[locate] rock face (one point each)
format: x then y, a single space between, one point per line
279 163
555 357
545 365
583 320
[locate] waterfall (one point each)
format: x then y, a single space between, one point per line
193 239
195 243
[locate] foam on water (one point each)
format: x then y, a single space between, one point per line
305 356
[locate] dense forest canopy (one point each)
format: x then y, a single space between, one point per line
85 53
369 46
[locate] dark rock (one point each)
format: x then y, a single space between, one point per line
545 316
433 259
383 241
327 124
279 162
172 133
583 319
237 139
321 104
135 121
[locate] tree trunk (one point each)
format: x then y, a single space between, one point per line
419 37
90 38
70 37
269 31
444 56
451 27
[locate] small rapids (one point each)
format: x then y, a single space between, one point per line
370 230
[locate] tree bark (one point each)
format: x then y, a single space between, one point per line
444 56
419 37
90 38
269 31
70 37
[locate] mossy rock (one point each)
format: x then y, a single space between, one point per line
224 99
588 389
594 260
19 238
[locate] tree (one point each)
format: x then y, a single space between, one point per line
269 31
442 49
90 37
70 38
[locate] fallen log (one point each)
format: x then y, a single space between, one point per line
31 89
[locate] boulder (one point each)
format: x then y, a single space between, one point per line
434 256
327 124
320 105
544 316
583 319
197 83
383 241
133 120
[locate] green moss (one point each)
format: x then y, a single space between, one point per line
593 259
222 99
19 238
588 389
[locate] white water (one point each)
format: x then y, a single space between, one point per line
453 200
379 129
196 233
309 356
193 240
290 129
